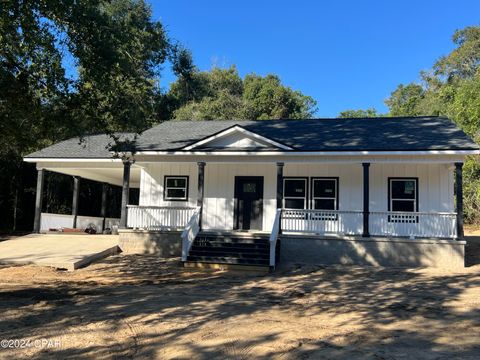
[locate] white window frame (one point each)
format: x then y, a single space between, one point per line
166 188
305 198
403 218
334 198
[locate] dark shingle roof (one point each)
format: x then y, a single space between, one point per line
92 147
355 134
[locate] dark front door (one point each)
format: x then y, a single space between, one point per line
248 202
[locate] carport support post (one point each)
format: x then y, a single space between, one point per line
366 199
201 186
125 193
103 211
459 202
76 193
38 201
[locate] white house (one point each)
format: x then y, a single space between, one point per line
377 191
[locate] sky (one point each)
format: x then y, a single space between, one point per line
345 54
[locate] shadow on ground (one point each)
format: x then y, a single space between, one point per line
142 306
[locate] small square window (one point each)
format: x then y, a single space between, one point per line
176 188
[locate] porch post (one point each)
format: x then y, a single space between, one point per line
38 201
280 185
459 202
103 211
201 180
76 193
366 199
125 192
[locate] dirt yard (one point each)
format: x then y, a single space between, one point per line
143 307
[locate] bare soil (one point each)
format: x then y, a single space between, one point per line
146 307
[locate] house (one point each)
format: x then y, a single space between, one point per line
378 191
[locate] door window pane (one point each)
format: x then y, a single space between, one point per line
249 187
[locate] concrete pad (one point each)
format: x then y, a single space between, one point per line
63 251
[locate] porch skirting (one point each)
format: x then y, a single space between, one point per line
163 243
373 251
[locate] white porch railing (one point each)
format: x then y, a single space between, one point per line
381 223
158 217
413 224
190 233
322 222
274 238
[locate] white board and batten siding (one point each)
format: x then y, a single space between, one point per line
435 183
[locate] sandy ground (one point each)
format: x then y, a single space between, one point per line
145 307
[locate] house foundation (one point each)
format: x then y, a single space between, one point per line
162 243
388 252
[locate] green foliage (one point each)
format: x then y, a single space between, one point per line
451 88
222 94
360 113
405 100
471 190
117 50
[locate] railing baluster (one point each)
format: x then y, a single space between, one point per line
382 223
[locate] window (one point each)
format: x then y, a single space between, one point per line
403 197
176 188
325 193
295 193
324 197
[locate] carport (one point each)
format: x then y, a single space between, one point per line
62 251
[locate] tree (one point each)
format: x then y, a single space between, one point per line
451 88
404 101
223 94
117 51
370 112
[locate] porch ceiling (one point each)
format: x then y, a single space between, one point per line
110 173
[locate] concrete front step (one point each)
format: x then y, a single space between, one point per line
222 266
228 260
230 254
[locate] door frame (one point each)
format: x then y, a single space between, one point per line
236 213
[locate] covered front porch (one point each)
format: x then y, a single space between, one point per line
298 205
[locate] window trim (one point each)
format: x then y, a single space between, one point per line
306 198
186 177
337 191
392 218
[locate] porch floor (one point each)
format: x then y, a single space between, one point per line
63 251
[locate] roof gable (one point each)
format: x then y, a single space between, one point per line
236 138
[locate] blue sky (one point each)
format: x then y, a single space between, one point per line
345 54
